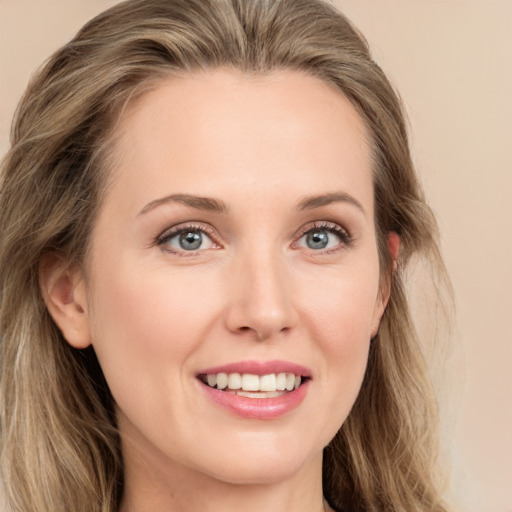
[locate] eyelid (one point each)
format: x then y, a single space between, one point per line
169 233
343 233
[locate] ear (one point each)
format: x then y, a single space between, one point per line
393 242
393 247
63 290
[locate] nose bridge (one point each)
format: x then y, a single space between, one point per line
261 302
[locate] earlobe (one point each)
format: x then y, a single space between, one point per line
63 291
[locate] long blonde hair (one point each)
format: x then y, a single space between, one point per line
60 446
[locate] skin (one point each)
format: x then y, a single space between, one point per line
157 314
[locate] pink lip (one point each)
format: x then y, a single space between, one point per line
257 408
259 368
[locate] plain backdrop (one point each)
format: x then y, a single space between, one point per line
451 60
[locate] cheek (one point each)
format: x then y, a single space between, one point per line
344 342
146 325
340 317
342 305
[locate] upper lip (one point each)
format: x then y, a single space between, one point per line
258 368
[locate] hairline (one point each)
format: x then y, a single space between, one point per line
107 155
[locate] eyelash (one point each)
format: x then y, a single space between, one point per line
184 228
346 239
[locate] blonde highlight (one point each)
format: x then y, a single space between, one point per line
56 410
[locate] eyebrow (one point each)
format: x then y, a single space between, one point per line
311 202
199 203
217 206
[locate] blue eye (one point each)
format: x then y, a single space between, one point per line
324 238
188 239
317 239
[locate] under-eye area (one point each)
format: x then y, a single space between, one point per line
254 386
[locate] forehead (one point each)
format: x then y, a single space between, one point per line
286 128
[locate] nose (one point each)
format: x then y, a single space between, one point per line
261 303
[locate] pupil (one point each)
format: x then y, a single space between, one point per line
191 240
317 239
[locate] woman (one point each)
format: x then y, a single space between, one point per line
206 215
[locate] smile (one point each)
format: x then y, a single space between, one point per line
251 385
262 390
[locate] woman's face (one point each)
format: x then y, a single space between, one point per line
236 241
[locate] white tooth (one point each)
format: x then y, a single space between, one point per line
297 382
250 382
234 381
212 380
290 381
268 382
281 381
222 380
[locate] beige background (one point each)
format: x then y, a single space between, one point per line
452 62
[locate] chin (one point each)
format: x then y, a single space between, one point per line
264 464
257 473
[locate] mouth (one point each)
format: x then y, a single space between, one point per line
251 385
256 390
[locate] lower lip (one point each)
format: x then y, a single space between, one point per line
257 408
